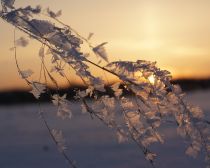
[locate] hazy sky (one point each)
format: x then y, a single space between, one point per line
175 33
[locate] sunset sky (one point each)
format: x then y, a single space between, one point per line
175 33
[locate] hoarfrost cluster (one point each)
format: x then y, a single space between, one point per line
154 101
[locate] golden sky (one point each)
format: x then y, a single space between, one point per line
175 33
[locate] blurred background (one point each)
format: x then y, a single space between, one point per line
176 34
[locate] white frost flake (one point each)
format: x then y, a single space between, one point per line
26 73
37 89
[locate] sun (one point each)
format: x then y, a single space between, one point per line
151 79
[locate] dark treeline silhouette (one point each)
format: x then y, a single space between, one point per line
22 96
193 84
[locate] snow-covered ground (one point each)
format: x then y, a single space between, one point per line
25 142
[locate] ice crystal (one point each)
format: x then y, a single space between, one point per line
63 105
90 36
26 73
37 89
22 42
121 136
53 14
100 51
41 52
58 135
8 3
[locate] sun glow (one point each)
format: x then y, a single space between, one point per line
151 79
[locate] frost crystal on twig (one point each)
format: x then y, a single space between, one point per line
26 73
63 106
58 135
37 89
22 42
153 98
